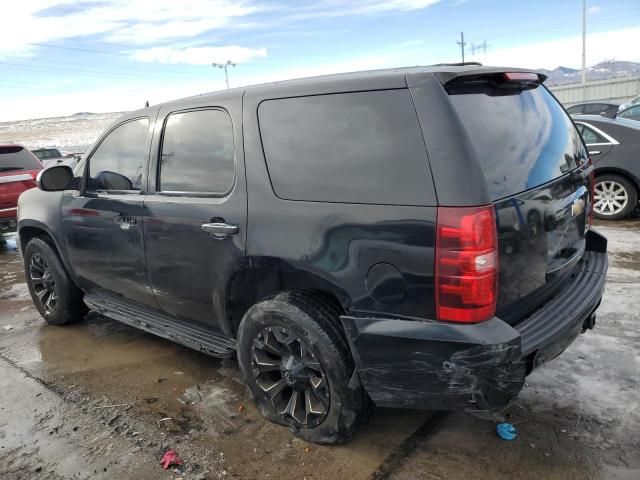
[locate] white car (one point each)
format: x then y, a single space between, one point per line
53 156
634 101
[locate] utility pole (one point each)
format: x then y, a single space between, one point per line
482 46
224 66
462 45
584 50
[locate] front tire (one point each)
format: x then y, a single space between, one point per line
615 197
55 296
297 365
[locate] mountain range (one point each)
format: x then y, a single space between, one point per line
600 71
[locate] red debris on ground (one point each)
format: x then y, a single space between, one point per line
170 458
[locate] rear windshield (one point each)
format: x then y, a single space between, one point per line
523 138
17 158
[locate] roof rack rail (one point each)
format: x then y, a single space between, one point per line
459 64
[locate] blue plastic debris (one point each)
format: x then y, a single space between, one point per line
506 431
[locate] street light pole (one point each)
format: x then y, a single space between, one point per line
225 66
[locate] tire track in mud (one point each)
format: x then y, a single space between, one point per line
391 463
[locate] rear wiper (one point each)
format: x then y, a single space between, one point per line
5 169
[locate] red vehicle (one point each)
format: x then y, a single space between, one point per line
18 170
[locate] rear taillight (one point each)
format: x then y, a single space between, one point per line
466 264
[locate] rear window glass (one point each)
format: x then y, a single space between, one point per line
364 147
522 138
17 158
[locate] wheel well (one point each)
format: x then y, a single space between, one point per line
621 173
250 286
29 233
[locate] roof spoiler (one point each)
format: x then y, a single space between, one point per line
514 75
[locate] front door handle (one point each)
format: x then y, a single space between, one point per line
219 230
594 152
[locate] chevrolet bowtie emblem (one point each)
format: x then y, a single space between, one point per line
577 207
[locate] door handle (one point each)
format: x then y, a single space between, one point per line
594 152
219 231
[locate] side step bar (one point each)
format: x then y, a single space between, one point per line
186 334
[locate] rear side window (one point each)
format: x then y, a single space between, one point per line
522 138
198 153
589 136
593 108
364 147
14 157
118 162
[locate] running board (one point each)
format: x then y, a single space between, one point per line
163 326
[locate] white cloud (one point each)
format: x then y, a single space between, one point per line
594 9
199 55
127 21
567 51
149 22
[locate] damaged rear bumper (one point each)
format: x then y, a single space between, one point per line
478 367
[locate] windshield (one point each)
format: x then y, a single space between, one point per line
523 138
17 158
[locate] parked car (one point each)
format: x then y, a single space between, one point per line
18 170
53 156
302 226
633 101
632 112
593 108
614 146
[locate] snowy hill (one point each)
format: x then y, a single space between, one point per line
73 133
600 71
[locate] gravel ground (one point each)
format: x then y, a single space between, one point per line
101 400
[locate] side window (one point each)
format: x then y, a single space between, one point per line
118 162
591 137
364 147
575 110
197 153
593 109
633 112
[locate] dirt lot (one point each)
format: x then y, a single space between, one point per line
101 400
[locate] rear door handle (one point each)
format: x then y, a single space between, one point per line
594 152
219 230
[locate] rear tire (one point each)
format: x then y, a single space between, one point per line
615 197
292 345
55 296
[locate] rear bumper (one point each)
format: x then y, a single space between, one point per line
445 366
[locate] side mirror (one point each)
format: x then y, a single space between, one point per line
54 179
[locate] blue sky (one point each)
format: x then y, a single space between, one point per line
59 57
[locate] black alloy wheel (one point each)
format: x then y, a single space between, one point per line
43 283
286 369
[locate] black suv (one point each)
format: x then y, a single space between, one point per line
417 238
